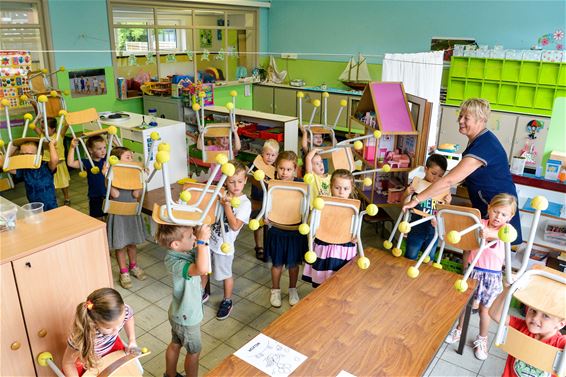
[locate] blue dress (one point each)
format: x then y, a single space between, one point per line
493 178
39 185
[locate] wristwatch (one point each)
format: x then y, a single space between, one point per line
201 242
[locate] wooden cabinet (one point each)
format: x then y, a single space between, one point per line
285 101
263 98
47 269
308 106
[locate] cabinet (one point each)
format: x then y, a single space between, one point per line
167 107
47 269
285 101
263 98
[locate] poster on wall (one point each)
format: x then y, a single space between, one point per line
88 82
14 69
447 44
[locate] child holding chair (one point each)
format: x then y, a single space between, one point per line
96 146
234 219
221 143
315 165
187 264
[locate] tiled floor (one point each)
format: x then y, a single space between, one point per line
252 311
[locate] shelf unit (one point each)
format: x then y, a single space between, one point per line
511 85
393 117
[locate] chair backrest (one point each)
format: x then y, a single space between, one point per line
287 200
82 117
419 185
336 219
449 222
269 170
127 178
343 158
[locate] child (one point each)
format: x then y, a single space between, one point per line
222 144
536 324
39 182
269 154
61 177
96 146
488 270
420 235
124 232
234 219
332 257
97 323
185 312
315 165
285 247
317 140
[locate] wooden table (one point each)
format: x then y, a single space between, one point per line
374 322
158 196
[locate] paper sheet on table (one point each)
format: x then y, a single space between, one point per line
343 373
270 356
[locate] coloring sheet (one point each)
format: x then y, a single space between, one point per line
270 356
343 373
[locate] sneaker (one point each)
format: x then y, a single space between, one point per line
138 273
225 309
205 297
454 336
125 280
275 298
480 347
293 296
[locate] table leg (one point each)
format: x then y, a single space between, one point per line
465 326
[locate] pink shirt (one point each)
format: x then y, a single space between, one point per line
491 258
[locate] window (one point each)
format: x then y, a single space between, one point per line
185 40
22 27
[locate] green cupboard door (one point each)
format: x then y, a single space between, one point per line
285 101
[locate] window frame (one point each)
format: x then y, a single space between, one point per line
195 8
43 26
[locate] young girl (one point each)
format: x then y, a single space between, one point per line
96 146
39 182
269 154
95 330
61 178
285 247
124 232
315 165
222 144
488 270
332 257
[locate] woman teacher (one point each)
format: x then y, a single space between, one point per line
484 166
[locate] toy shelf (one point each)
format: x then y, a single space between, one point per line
511 85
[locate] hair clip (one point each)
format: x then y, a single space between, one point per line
89 305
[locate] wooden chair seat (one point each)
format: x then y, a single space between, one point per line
218 130
181 215
342 158
117 363
533 294
469 241
127 178
22 161
269 170
336 221
123 208
196 189
318 129
286 205
81 117
94 133
24 140
210 156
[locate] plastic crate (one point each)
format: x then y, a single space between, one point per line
451 266
249 131
272 135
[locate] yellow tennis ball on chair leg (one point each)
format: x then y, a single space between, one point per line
82 174
254 224
304 229
235 202
539 202
358 145
387 244
363 263
318 204
95 170
461 285
453 237
396 252
427 259
225 248
310 257
507 233
185 196
437 265
412 272
404 227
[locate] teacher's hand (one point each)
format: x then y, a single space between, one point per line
412 204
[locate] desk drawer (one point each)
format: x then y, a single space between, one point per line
132 135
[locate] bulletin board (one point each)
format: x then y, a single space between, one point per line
14 68
391 108
524 142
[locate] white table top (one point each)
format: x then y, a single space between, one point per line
136 120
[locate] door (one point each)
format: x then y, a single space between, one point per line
285 101
308 107
53 282
15 354
263 98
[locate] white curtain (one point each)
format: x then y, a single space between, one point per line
421 74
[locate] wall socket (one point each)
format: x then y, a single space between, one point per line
289 55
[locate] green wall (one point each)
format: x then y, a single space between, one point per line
556 138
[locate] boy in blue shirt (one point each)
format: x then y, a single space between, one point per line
187 264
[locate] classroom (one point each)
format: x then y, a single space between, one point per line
282 188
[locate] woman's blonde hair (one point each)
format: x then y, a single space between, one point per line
271 144
344 174
477 107
102 306
501 200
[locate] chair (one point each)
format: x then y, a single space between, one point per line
338 221
542 289
126 176
39 83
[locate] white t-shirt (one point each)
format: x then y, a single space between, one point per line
242 213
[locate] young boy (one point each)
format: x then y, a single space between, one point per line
96 146
315 165
536 324
187 265
269 154
420 235
234 219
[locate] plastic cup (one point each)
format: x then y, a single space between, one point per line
33 212
8 214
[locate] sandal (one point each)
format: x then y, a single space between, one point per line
259 253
